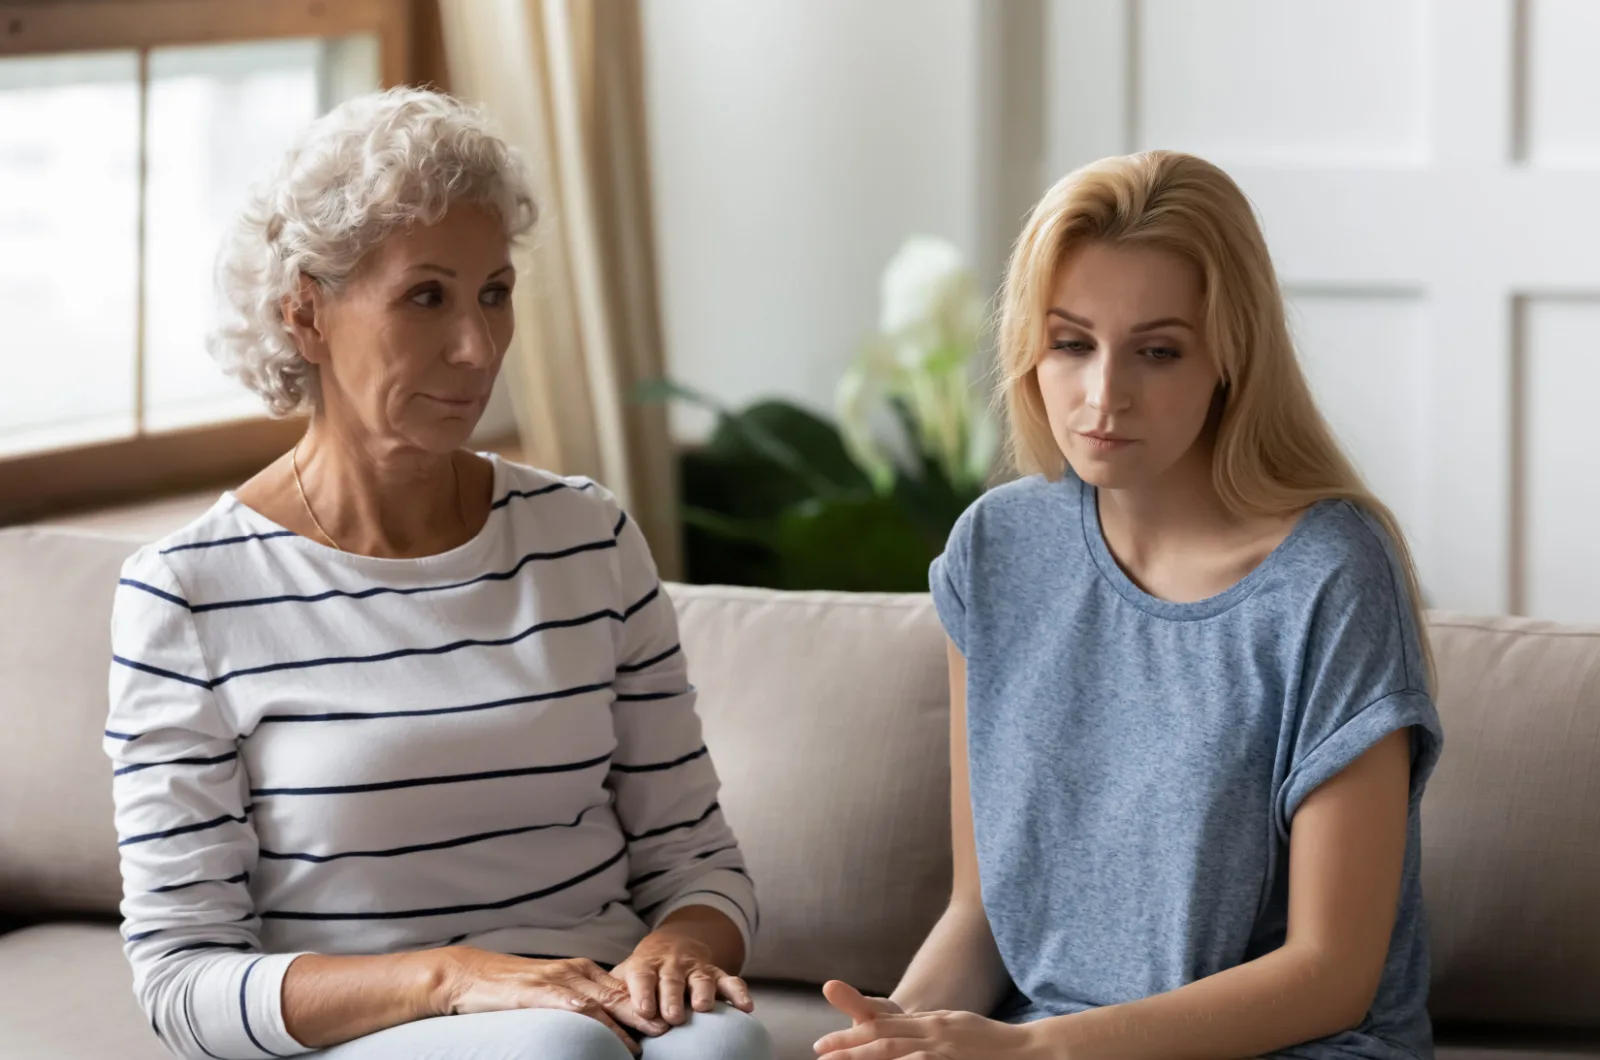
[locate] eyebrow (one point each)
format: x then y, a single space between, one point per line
1149 325
452 273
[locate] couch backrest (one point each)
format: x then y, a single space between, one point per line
826 714
1511 823
58 847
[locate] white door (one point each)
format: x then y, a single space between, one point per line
1428 174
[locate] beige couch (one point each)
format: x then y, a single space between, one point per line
826 715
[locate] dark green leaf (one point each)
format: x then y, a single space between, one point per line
865 545
812 439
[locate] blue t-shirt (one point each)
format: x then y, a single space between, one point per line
1136 764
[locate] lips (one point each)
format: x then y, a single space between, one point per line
1104 442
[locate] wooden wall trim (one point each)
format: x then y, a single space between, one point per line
35 485
94 25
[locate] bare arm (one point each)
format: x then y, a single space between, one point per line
958 967
1346 855
329 1000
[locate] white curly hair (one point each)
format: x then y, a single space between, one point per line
368 167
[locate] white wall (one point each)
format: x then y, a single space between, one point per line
795 143
1423 226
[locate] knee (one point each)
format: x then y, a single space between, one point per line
549 1034
722 1034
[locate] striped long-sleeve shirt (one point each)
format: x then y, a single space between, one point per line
321 752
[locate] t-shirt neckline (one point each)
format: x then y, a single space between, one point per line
1111 571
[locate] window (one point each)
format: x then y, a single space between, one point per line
130 134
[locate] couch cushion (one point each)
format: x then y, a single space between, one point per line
827 717
66 994
1511 823
58 847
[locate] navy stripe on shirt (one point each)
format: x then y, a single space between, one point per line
403 653
157 671
442 844
134 583
383 590
352 715
244 1008
241 946
185 829
443 649
125 770
541 491
633 668
501 503
714 853
640 881
422 782
451 910
229 541
664 829
657 767
642 603
243 877
142 935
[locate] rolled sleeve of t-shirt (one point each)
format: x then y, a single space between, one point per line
1358 735
948 581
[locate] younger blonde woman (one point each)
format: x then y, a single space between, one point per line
1191 719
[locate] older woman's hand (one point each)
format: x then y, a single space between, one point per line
669 962
480 981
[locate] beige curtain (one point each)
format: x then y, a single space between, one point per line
564 81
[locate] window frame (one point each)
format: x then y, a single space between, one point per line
149 464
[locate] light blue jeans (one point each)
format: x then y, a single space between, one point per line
554 1034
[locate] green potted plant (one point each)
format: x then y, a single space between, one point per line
782 497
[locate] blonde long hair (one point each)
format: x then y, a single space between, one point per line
1275 453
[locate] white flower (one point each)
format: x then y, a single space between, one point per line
929 301
859 391
929 328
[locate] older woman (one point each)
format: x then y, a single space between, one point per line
401 731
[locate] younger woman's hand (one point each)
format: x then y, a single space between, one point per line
858 1006
881 1030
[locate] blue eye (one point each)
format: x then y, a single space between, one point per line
1161 353
1072 346
495 296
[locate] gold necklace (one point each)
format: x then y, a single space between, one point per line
294 462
